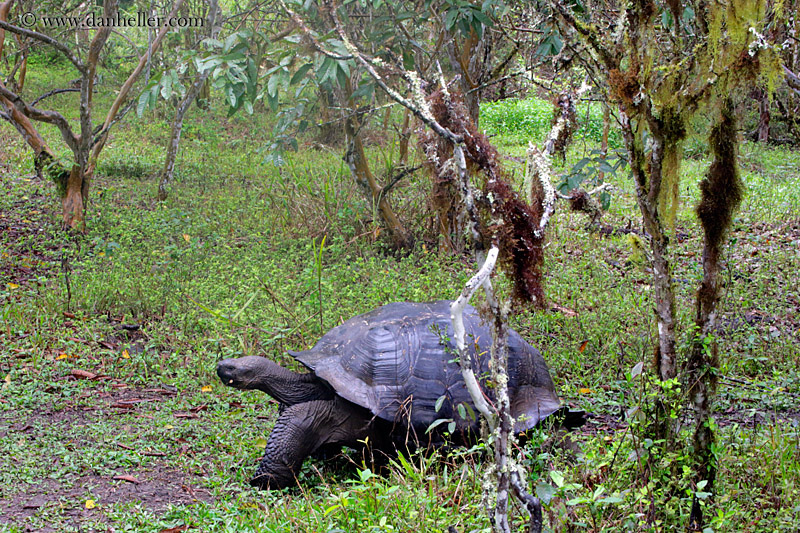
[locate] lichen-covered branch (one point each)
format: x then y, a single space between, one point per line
457 317
538 173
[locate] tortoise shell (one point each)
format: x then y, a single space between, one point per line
398 360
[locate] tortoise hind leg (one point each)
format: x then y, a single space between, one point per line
300 430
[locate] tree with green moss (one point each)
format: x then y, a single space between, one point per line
663 62
72 180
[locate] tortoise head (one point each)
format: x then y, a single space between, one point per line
259 373
249 372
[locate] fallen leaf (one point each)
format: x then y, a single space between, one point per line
206 388
187 238
583 346
564 310
7 381
129 479
186 415
120 405
177 529
107 345
584 390
77 373
261 443
66 356
90 504
13 286
125 354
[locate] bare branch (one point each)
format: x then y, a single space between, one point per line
54 92
126 88
58 45
50 117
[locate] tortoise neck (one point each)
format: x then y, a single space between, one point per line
289 387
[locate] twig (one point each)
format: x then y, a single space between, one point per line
399 176
53 93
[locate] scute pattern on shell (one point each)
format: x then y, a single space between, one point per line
392 362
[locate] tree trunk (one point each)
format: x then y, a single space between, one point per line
359 167
175 135
762 131
183 107
73 202
647 180
721 194
329 134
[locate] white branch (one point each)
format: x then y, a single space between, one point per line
457 317
538 166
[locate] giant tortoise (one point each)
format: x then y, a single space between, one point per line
378 378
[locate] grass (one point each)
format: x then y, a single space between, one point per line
158 293
515 121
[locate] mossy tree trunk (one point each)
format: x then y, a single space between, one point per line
721 194
658 90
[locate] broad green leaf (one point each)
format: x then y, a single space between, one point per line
545 492
300 73
142 105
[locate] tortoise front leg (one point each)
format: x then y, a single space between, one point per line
299 431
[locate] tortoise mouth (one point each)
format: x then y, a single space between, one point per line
226 370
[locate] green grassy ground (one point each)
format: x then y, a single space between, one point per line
108 343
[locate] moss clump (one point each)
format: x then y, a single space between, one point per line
46 166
